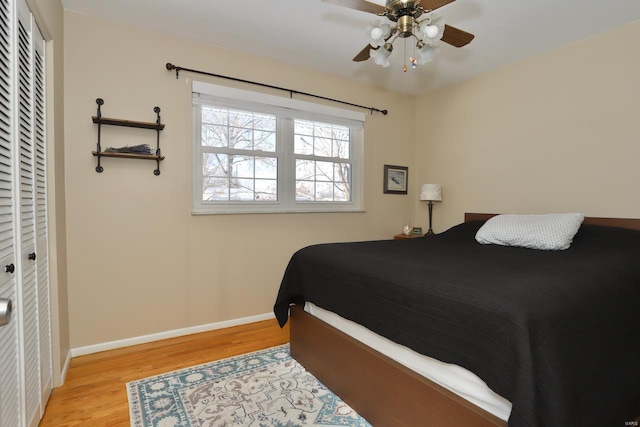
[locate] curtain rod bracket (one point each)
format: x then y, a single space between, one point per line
170 67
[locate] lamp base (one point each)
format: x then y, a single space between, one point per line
430 232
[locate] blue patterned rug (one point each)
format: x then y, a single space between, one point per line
265 388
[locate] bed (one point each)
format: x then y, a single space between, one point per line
556 333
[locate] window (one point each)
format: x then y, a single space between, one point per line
261 153
239 161
323 161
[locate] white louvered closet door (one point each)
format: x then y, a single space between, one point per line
23 220
32 277
10 383
27 241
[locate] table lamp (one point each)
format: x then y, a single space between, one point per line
431 193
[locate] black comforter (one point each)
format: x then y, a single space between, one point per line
555 332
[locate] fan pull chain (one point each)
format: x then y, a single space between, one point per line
404 67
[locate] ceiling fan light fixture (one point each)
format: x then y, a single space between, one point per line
407 18
431 31
381 56
378 33
433 27
426 52
427 32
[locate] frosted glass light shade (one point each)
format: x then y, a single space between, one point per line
426 54
378 33
432 27
381 56
432 192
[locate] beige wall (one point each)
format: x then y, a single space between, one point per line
138 261
50 17
557 133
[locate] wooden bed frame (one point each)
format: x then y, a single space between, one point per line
383 391
631 223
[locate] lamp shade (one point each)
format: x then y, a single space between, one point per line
432 192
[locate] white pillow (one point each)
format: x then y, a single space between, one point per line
545 232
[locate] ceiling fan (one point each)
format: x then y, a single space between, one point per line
404 15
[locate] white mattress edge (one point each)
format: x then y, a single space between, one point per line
455 378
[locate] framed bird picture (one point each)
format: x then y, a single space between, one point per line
396 179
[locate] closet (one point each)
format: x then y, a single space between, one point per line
26 377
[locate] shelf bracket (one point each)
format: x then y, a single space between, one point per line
100 102
157 111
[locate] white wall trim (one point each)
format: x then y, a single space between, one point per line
65 369
111 345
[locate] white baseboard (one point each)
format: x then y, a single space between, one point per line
65 368
81 351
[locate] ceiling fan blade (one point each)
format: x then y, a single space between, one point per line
363 55
361 5
430 5
456 37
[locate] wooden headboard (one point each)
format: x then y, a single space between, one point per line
632 223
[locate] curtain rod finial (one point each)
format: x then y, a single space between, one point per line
170 67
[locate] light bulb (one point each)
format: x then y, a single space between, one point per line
432 27
432 31
376 33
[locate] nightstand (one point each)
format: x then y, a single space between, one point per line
402 236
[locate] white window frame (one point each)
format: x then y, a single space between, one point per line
286 110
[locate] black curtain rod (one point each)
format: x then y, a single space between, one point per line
170 67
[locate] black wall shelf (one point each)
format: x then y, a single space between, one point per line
157 126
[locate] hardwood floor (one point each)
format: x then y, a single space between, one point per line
94 392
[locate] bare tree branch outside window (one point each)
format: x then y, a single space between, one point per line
322 162
239 167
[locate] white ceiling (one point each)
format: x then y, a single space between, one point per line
325 37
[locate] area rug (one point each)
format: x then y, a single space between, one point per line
264 388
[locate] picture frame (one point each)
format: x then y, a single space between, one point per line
417 231
396 179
